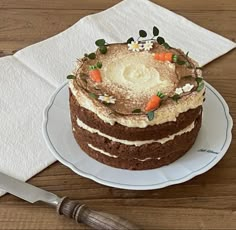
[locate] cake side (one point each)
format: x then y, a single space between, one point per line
133 157
137 154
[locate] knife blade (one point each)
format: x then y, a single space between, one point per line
26 191
64 206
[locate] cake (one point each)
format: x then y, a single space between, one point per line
136 105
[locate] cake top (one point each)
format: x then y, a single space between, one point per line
137 78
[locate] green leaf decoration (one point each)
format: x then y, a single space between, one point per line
142 33
92 67
130 40
160 40
176 97
99 65
175 58
93 95
166 45
100 42
150 115
136 111
200 86
103 49
198 80
155 31
180 62
161 95
187 54
71 76
92 56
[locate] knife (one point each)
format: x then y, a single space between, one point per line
64 206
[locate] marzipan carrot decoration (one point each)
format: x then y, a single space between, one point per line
94 72
95 75
166 57
154 102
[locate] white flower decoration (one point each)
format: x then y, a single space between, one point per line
107 99
187 87
178 91
147 45
135 46
199 72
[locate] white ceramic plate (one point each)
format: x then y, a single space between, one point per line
212 143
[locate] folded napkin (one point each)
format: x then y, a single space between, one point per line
30 76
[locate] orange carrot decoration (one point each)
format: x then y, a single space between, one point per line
165 57
95 75
168 57
154 102
94 72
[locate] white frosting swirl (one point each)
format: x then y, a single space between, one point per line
139 73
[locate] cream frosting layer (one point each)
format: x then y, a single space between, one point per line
101 151
114 156
166 113
136 143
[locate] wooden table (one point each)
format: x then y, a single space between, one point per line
206 202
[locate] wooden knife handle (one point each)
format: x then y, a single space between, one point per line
97 220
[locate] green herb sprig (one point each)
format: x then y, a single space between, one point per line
102 45
71 76
177 60
176 97
91 56
143 34
200 83
160 94
97 66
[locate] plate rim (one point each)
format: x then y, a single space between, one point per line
191 175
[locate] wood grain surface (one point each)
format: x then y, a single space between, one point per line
205 202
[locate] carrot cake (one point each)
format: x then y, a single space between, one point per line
136 105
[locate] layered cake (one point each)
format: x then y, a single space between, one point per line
136 105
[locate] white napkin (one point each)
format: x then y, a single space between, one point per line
28 78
